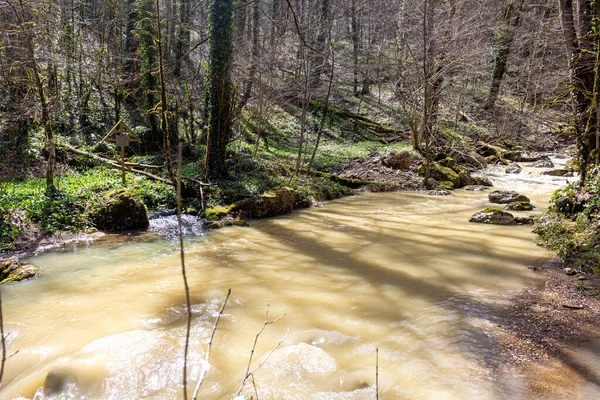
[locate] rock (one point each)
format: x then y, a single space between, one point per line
445 185
119 210
519 206
274 202
475 188
543 163
513 169
493 216
301 201
442 192
481 181
524 220
487 150
569 271
396 160
513 155
506 197
13 269
558 172
441 173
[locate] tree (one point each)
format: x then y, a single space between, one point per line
580 50
219 87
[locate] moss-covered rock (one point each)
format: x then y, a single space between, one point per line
493 216
507 197
274 202
480 181
445 185
118 210
519 206
226 222
13 269
441 173
558 172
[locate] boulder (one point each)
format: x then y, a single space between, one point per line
513 155
445 185
119 210
513 169
524 220
394 160
274 202
543 163
558 172
13 269
493 216
506 197
481 181
441 173
519 206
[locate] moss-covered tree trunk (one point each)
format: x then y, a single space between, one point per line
219 86
580 51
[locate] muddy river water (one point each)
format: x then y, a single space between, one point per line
405 273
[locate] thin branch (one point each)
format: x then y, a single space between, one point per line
207 355
265 323
183 273
2 340
377 374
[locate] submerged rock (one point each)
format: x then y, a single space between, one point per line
119 210
507 196
274 202
442 192
519 206
513 169
13 269
475 188
493 216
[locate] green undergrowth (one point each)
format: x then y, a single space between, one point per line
571 227
64 209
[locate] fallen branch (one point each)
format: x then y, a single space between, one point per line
127 166
207 355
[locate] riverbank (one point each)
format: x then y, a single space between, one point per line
541 328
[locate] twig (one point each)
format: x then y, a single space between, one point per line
183 273
377 374
3 341
265 323
207 355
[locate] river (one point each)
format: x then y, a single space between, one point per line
405 273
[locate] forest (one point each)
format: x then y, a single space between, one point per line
199 120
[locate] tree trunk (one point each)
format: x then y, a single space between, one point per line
503 43
219 96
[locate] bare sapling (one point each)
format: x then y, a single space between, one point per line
250 373
207 355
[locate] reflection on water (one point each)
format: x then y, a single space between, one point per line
402 272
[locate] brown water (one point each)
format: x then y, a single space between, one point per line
402 272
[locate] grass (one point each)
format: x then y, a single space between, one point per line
64 210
